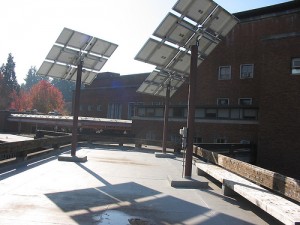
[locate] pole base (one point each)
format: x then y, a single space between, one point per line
164 155
69 158
180 182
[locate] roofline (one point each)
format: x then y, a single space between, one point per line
269 11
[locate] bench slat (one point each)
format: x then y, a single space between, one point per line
280 208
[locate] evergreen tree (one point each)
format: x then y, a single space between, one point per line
32 78
2 92
9 75
66 87
9 82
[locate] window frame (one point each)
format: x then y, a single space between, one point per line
220 99
249 75
251 101
219 73
114 111
295 68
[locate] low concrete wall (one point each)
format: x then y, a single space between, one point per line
127 140
21 149
278 183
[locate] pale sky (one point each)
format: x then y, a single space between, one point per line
29 28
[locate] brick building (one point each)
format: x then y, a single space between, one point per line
248 90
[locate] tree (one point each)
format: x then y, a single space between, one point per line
45 97
20 101
66 87
32 78
9 75
2 92
9 82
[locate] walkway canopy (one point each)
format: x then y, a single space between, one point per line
67 121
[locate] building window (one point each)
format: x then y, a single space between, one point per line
224 72
159 112
150 135
296 66
223 113
235 113
90 108
157 103
223 101
175 139
114 111
245 101
246 71
211 113
200 113
150 112
178 112
99 108
141 111
132 108
249 114
198 140
220 140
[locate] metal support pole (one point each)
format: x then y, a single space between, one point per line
76 109
166 120
191 111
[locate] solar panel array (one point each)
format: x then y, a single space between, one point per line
69 49
193 22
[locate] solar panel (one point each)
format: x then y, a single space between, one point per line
101 47
63 55
72 47
157 82
73 39
157 53
55 70
220 22
196 10
175 30
181 63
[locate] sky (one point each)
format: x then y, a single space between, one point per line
29 28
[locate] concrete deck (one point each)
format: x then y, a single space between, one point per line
116 186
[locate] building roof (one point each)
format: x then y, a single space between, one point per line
116 124
269 11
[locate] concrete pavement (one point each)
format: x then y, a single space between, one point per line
117 186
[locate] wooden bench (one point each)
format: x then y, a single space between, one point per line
280 208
